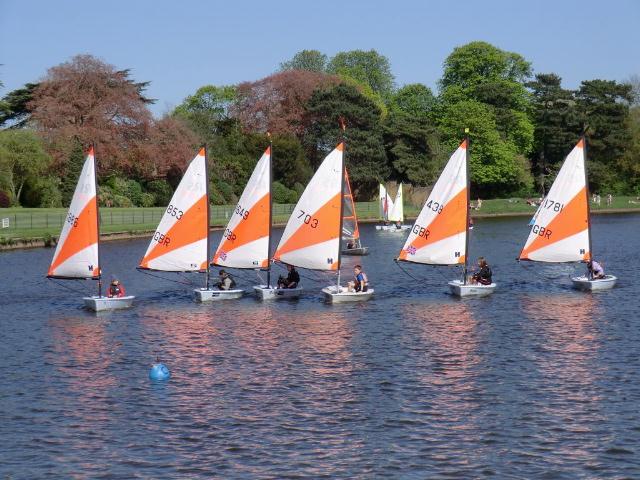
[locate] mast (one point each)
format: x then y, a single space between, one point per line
206 189
586 189
95 179
466 239
343 127
270 210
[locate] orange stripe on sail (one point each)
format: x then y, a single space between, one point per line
192 227
570 220
349 195
449 222
253 228
328 217
80 237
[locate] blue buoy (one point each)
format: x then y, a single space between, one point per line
159 371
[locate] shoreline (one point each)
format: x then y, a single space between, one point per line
39 242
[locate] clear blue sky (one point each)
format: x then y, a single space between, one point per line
181 45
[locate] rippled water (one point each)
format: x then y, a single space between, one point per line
537 381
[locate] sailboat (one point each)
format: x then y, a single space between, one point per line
77 254
313 233
440 235
396 214
562 228
386 204
350 230
181 241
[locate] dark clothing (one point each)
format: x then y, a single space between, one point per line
116 291
360 283
226 282
483 276
292 280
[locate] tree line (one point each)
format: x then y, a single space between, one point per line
521 127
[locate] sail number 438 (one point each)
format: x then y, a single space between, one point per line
435 206
308 219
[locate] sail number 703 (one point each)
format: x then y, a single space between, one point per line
308 219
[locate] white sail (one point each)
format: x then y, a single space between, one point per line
76 254
385 203
397 209
311 238
560 232
245 242
438 236
180 242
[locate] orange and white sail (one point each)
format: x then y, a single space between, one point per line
396 214
438 236
560 232
385 203
76 254
180 242
311 238
245 242
350 230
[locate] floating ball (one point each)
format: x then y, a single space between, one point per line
159 371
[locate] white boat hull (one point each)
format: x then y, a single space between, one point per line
100 304
392 228
583 283
335 295
265 292
211 295
471 290
356 251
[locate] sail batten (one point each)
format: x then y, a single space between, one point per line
438 237
311 238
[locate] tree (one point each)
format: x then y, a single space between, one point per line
367 67
21 157
207 110
73 167
365 155
276 103
415 99
14 111
88 99
311 60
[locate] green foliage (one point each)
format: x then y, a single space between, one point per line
282 194
221 193
13 107
207 111
73 168
290 165
365 155
311 60
367 67
42 192
161 191
415 99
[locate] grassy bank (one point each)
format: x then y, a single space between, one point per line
31 223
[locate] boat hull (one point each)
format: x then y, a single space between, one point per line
392 228
265 292
459 289
343 295
583 283
210 295
100 304
356 251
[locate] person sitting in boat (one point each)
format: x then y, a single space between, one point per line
360 282
595 270
398 225
292 279
226 281
350 245
116 290
482 276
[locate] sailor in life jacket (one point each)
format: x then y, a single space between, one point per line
482 276
116 289
360 282
226 281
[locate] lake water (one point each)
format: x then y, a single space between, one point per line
536 381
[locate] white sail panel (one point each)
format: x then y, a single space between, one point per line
315 221
438 236
245 242
179 244
385 203
560 229
76 254
397 209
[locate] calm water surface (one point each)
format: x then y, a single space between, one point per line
536 381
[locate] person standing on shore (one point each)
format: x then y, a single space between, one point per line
609 200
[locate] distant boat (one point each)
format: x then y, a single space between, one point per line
350 230
561 231
181 241
77 254
312 236
386 205
440 235
396 214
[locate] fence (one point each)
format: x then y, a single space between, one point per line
16 222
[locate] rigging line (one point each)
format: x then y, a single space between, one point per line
406 272
76 290
188 280
164 278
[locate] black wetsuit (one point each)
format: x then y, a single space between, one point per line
483 276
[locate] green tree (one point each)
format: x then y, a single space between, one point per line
207 110
415 99
73 167
367 67
365 154
14 109
312 60
22 157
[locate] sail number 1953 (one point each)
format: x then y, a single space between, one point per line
308 219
